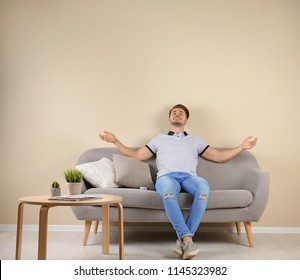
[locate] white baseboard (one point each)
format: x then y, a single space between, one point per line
156 228
295 230
36 228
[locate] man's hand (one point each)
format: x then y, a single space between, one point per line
108 137
217 155
142 153
249 143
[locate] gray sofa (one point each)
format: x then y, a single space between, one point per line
239 193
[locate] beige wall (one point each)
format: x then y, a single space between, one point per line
72 68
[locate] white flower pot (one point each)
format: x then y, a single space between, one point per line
74 188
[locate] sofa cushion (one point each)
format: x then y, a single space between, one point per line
100 174
218 199
132 173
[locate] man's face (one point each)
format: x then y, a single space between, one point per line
178 117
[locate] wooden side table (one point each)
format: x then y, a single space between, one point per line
104 200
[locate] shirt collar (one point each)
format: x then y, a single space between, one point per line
171 133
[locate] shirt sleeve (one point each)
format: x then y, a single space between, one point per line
202 146
200 154
153 145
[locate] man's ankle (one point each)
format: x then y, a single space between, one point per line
187 239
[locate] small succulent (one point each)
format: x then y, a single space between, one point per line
55 184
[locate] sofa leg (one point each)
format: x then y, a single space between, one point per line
96 224
87 227
238 228
249 233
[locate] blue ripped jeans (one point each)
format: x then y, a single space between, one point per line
169 186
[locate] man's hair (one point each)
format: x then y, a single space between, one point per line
186 110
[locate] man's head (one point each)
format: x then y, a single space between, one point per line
182 107
179 115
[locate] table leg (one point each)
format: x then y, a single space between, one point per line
121 231
19 231
105 229
43 229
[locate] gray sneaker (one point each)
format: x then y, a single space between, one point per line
190 250
178 248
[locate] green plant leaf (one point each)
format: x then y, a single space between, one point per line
73 175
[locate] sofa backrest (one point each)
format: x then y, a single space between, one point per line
228 175
233 174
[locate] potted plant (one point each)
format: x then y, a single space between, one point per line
73 179
55 189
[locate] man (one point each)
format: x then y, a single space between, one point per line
177 158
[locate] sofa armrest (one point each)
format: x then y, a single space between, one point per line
258 183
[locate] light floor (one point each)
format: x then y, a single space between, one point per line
65 245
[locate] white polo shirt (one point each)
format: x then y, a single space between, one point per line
177 152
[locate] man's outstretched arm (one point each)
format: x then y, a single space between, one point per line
142 153
217 155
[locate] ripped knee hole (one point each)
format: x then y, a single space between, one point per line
169 195
203 196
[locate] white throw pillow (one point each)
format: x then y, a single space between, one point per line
101 173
